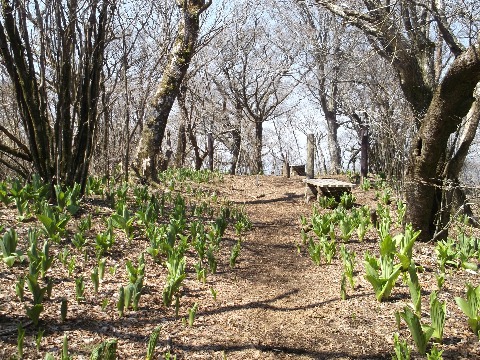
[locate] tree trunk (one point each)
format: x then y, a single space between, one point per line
327 50
182 133
310 165
258 165
364 152
196 150
453 198
161 103
236 143
451 102
181 146
210 150
286 167
322 166
333 145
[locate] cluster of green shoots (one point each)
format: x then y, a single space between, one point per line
322 232
182 221
459 252
329 227
395 261
451 254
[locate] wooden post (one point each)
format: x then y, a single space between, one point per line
210 150
309 168
310 191
286 167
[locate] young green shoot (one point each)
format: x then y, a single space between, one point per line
152 343
438 311
38 338
191 314
20 340
471 307
421 334
79 289
402 351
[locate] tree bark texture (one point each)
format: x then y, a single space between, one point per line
162 101
451 102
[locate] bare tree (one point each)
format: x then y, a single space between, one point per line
53 55
145 36
439 92
255 73
325 36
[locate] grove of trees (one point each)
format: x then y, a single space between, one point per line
140 86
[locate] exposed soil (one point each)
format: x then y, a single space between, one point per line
275 303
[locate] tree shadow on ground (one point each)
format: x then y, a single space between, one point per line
286 198
279 350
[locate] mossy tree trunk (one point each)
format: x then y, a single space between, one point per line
149 155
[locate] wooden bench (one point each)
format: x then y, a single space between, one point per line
327 187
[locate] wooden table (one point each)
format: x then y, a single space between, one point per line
328 187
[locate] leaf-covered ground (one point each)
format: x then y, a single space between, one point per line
274 304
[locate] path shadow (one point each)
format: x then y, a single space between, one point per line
265 304
287 197
279 350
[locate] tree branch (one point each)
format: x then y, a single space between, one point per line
205 7
439 15
14 152
16 141
362 21
17 169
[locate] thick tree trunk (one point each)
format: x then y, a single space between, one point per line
451 102
161 103
453 198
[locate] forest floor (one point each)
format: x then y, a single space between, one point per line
274 304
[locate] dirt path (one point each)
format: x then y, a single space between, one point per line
276 304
